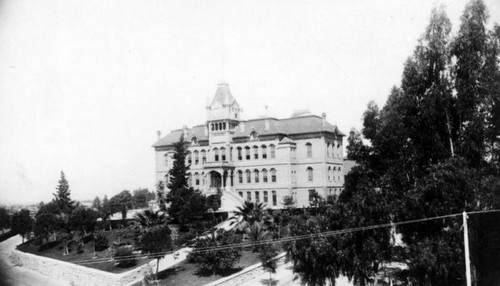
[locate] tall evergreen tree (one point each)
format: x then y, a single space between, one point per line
63 196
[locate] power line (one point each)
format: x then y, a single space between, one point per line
285 239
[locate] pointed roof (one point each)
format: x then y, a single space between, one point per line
223 95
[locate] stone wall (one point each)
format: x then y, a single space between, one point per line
75 274
246 274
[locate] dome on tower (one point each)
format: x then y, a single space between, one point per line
223 95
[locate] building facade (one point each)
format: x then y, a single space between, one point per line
260 160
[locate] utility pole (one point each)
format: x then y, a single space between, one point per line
466 247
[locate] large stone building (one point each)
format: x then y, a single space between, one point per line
260 160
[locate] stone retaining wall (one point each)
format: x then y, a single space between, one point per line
75 274
246 274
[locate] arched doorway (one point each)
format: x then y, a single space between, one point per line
215 179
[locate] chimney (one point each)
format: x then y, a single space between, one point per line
324 119
242 127
185 132
159 134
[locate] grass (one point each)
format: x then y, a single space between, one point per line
54 249
186 273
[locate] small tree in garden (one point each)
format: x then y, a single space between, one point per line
22 223
124 257
155 241
214 260
267 254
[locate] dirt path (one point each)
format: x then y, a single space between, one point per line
12 275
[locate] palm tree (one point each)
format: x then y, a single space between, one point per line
149 218
247 215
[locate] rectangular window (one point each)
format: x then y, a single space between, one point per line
239 154
247 151
265 196
312 193
257 197
248 177
249 196
275 200
256 177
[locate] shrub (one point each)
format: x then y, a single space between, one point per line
101 241
184 238
123 256
216 260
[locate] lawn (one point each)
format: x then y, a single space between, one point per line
54 250
186 273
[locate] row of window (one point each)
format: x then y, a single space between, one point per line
333 150
256 176
265 197
246 153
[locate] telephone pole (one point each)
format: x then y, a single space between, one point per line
466 247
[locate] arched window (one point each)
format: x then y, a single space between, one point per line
196 179
223 153
194 141
212 126
203 156
309 150
265 197
273 175
231 154
224 126
329 171
340 173
264 151
247 153
189 157
166 159
334 173
203 179
264 175
196 157
216 154
240 155
248 175
240 177
310 174
255 152
256 175
328 150
273 151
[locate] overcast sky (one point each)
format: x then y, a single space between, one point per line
85 85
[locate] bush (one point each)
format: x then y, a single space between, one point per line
216 261
184 238
101 241
123 256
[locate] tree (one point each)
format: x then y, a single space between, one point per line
155 241
141 197
208 258
106 209
96 204
121 202
5 219
22 223
63 196
248 214
289 202
148 218
84 219
267 256
47 222
185 203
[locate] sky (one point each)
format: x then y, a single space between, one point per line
86 84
